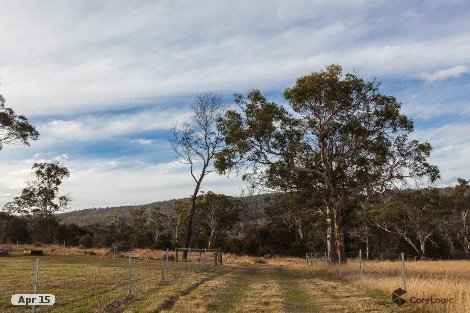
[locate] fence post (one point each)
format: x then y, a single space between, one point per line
166 265
360 264
176 254
129 276
188 258
403 270
35 286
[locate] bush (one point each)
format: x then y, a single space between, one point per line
164 241
260 261
43 228
86 241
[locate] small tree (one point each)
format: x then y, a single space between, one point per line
414 215
458 224
138 226
156 218
218 212
14 128
40 197
196 144
298 213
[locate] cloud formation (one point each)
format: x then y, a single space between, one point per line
455 71
78 57
97 126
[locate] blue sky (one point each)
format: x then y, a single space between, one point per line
104 81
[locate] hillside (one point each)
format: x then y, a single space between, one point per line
99 215
255 206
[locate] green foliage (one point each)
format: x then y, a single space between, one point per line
260 261
414 215
14 128
164 242
43 228
138 224
340 139
218 213
457 226
41 194
13 229
70 233
86 240
343 132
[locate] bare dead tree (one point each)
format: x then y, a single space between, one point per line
196 143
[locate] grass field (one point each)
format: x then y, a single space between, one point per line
98 283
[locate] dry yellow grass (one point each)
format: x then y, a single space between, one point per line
97 282
425 279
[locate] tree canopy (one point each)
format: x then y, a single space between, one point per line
340 138
14 128
41 194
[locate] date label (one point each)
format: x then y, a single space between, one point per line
33 299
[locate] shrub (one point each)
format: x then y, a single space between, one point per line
86 241
260 261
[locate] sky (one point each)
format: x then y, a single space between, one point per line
104 81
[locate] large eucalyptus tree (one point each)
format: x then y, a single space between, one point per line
339 137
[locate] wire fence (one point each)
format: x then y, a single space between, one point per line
84 279
432 284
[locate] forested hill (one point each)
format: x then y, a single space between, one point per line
101 215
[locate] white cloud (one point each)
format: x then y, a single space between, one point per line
443 74
83 56
144 142
446 135
101 183
451 150
98 127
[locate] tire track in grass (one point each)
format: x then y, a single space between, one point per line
222 294
168 304
198 299
164 296
296 298
262 293
335 296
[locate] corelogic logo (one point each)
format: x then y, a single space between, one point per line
396 296
398 293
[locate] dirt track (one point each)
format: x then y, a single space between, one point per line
266 288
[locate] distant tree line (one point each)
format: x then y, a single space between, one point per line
429 222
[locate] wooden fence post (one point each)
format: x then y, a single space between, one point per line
403 271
